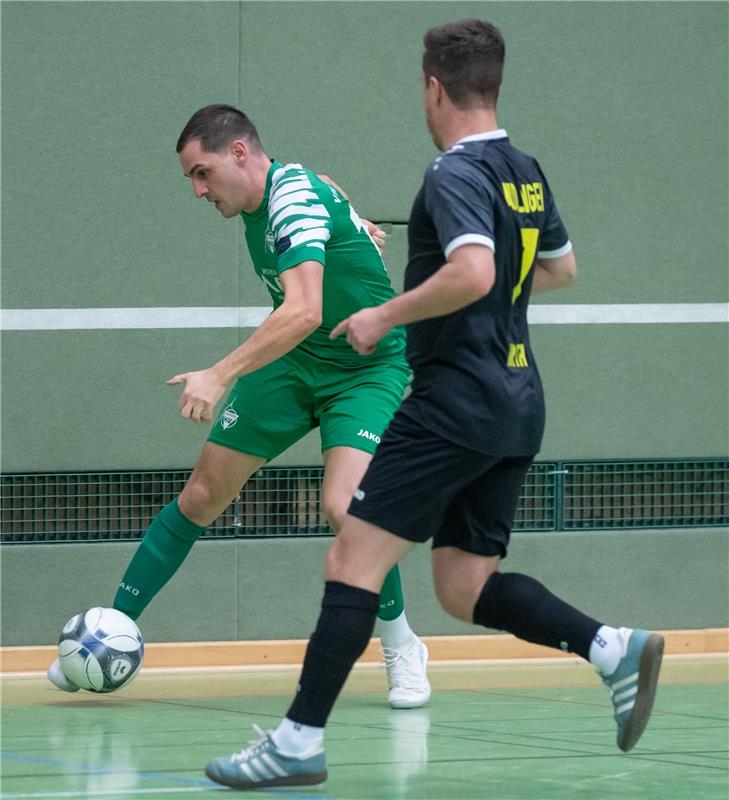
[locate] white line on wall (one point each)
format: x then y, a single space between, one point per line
79 319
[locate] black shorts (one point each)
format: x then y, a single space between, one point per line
420 486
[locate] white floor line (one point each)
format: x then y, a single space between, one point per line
462 662
112 792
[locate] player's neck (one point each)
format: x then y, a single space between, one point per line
467 123
259 174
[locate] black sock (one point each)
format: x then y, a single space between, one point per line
523 606
343 631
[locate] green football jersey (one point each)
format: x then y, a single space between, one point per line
302 218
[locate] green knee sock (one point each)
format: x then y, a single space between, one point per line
165 546
391 599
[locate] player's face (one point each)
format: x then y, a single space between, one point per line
218 177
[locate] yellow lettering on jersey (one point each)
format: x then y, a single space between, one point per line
529 239
517 356
528 198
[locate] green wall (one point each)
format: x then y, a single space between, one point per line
625 104
228 590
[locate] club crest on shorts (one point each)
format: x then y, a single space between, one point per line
228 417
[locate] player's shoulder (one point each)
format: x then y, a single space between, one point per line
286 174
295 187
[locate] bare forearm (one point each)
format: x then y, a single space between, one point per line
447 290
554 273
276 336
548 282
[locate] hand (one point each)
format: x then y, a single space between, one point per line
203 390
364 329
379 237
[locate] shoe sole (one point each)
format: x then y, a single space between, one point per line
650 666
410 703
289 780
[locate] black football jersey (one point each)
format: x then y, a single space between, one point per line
475 381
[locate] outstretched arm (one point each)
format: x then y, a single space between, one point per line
297 317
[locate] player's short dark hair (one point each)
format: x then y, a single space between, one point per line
467 57
216 126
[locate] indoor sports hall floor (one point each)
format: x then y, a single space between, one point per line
515 731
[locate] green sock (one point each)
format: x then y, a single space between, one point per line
391 599
165 546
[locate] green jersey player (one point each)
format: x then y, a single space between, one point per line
320 264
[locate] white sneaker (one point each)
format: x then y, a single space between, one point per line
57 678
409 685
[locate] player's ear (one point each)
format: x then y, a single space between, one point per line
239 149
434 87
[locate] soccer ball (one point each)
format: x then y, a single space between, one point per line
100 650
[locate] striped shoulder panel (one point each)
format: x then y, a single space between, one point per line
296 210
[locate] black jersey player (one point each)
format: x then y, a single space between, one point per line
484 234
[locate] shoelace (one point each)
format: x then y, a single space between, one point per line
397 669
256 746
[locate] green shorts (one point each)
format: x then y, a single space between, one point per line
270 409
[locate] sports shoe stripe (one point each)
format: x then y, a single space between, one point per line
273 764
256 764
625 707
624 695
250 774
624 682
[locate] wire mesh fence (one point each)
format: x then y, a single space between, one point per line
645 494
286 501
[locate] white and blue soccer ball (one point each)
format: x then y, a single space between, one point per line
100 649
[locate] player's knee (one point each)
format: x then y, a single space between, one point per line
335 511
336 561
455 601
202 502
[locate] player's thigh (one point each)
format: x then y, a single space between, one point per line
343 471
267 410
480 517
354 407
215 482
413 477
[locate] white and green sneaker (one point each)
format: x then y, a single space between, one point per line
633 684
58 679
263 764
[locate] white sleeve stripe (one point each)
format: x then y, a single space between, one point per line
313 211
469 238
276 203
560 251
286 187
319 235
297 225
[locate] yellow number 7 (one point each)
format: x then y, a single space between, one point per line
529 239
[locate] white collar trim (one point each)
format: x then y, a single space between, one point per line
480 137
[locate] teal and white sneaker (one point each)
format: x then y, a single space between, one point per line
263 764
633 684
